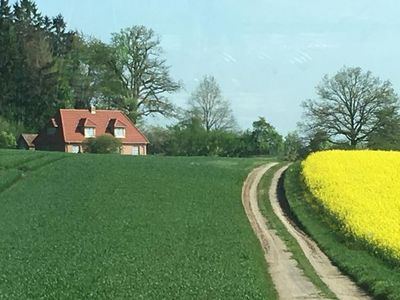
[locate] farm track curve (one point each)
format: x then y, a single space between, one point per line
288 279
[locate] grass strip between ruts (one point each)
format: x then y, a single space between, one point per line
290 242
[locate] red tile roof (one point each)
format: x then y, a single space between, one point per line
119 124
73 120
88 123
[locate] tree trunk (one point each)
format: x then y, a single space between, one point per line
353 143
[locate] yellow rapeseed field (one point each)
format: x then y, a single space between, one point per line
361 189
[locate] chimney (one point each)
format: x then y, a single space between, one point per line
92 109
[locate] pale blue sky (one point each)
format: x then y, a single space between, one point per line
267 55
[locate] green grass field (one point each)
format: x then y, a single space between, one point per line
371 272
110 226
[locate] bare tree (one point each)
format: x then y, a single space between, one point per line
351 106
210 107
143 75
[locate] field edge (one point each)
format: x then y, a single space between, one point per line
349 257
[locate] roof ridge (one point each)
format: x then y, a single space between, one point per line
87 109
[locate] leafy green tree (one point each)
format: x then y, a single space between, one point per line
387 136
318 141
143 75
158 137
246 145
222 143
352 105
102 144
188 137
86 74
293 146
267 141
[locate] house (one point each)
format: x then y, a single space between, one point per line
25 141
70 127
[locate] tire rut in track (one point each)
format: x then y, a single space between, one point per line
341 285
287 277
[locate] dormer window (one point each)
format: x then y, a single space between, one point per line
90 132
87 127
119 132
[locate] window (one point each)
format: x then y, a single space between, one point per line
75 149
89 132
119 132
135 150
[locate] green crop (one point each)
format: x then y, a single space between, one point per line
118 227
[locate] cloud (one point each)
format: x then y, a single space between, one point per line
264 56
320 45
305 55
228 58
300 58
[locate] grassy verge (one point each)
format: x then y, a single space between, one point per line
291 243
378 277
119 227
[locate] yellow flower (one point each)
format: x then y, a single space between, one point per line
361 189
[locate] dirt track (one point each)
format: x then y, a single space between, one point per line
287 277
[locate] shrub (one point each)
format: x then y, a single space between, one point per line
102 144
11 127
7 140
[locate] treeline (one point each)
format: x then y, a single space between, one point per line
44 67
190 137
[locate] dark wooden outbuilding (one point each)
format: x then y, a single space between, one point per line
26 141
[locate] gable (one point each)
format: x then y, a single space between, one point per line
28 138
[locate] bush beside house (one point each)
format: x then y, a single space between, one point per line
102 144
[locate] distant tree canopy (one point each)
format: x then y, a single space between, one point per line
34 51
208 105
293 146
142 73
189 137
265 138
352 106
387 135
